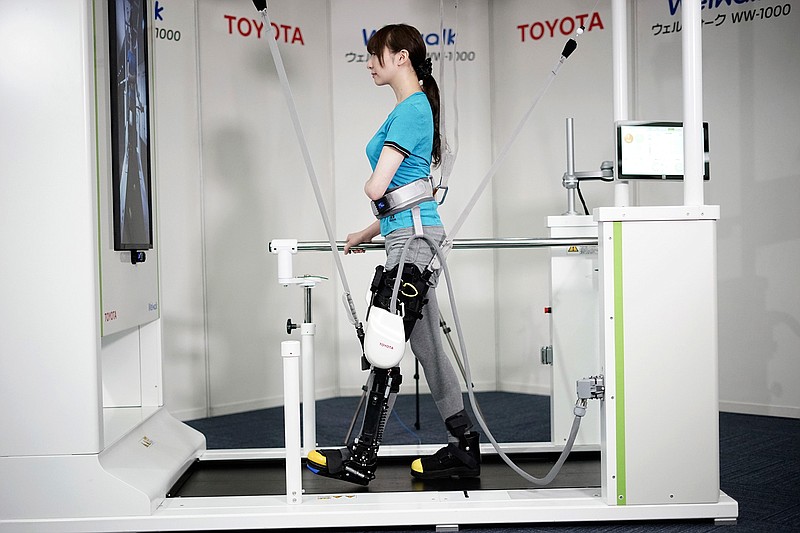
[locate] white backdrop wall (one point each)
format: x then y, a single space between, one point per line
751 71
245 184
179 176
256 189
528 37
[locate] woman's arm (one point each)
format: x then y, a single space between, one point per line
388 163
365 235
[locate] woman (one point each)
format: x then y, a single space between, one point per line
401 152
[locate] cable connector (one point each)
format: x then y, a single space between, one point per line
580 407
591 388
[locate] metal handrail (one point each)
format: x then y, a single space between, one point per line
466 244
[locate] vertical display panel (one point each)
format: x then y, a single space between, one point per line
130 129
128 225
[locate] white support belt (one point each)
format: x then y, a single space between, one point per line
416 216
403 197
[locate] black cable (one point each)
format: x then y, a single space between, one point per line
583 202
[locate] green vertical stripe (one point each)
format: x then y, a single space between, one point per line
619 350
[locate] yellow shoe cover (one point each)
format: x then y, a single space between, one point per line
317 458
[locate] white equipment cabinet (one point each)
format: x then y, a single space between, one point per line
84 432
659 335
575 349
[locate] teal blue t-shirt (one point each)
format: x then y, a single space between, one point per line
409 130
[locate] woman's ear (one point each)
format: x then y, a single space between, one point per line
402 56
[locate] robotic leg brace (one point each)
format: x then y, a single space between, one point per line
356 463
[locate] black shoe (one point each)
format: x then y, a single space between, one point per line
459 461
336 464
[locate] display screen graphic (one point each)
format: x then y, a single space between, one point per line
130 132
653 150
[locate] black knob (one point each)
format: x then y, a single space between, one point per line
290 326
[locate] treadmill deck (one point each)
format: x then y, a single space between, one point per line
266 477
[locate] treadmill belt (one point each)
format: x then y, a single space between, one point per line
266 477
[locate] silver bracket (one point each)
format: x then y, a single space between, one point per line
591 388
546 354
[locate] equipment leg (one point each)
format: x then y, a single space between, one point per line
416 399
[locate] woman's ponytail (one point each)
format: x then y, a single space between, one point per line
431 89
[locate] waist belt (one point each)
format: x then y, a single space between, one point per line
403 197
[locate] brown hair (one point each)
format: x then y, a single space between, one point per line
396 37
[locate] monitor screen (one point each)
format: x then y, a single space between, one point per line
653 150
130 128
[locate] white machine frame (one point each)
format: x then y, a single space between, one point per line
120 484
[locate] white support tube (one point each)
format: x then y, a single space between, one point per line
619 54
307 331
284 249
692 49
290 352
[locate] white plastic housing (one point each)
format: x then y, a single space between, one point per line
385 338
284 249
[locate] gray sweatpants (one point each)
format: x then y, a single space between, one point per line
426 341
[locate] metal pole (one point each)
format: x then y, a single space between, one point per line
571 182
619 54
290 352
446 330
307 331
307 304
416 393
467 244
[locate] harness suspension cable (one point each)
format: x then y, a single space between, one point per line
504 151
298 129
449 153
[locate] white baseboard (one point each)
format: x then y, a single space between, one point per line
410 388
241 407
250 405
189 414
405 390
745 408
524 388
323 394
